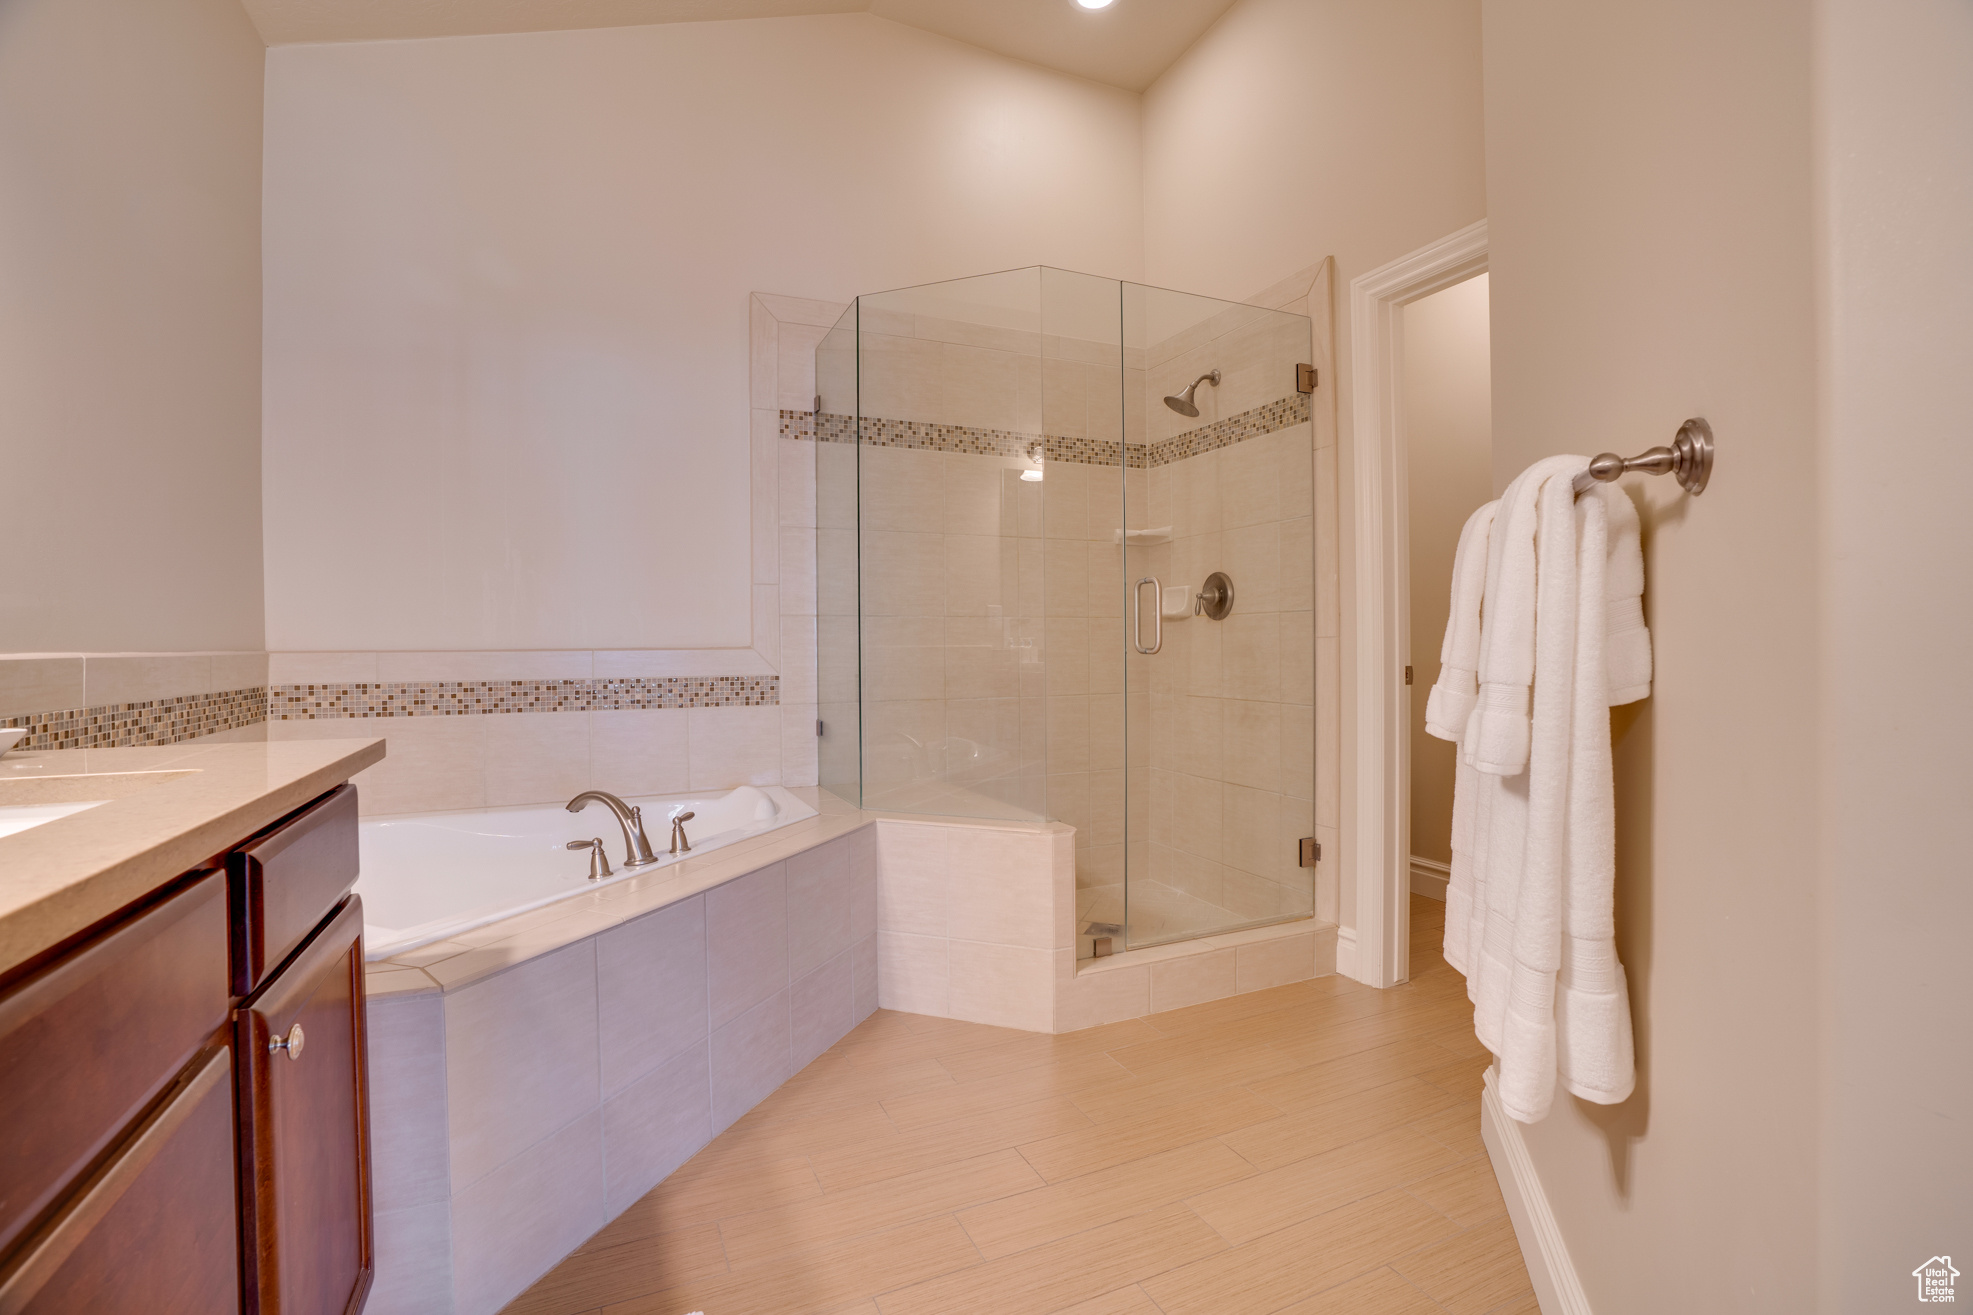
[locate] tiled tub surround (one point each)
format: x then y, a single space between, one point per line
128 700
532 1079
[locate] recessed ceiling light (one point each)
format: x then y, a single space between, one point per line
1095 4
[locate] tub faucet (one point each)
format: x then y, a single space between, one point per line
679 844
636 846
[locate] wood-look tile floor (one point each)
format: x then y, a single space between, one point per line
1309 1150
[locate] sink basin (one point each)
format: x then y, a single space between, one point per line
23 817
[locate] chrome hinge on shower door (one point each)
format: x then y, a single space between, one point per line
1311 851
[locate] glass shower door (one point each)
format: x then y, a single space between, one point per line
1219 565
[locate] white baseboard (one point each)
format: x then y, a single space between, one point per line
1553 1274
1429 879
1346 953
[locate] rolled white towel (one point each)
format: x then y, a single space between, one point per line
1456 690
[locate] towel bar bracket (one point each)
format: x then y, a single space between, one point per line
1689 459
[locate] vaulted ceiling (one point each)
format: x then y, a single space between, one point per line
1126 45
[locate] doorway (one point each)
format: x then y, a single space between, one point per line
1446 426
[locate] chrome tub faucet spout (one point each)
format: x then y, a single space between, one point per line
636 846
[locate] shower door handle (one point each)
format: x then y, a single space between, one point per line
1157 615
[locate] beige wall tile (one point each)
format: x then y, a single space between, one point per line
903 574
902 489
1253 655
820 898
409 1157
1000 889
734 746
525 1043
654 1125
746 942
794 480
643 751
535 758
1007 986
430 763
751 1056
800 747
1253 737
1192 979
512 1226
1092 999
40 684
321 668
571 664
140 677
1276 962
414 1261
821 1009
911 878
863 977
651 991
238 670
912 973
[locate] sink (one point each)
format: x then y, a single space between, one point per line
30 801
23 817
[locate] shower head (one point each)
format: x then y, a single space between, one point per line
1183 403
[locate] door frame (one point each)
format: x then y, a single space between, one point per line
1382 766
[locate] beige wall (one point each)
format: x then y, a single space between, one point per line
130 326
1448 438
1649 192
1350 128
507 298
1895 102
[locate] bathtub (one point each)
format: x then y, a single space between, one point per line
427 876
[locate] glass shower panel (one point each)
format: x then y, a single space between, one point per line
1082 557
1221 779
950 417
832 426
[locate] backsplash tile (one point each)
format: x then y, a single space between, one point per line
152 722
464 698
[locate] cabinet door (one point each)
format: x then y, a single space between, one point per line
88 1043
153 1230
304 1130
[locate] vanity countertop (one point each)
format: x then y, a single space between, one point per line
153 814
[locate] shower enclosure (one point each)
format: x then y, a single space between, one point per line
1065 571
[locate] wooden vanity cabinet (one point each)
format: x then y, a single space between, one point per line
184 1122
304 1130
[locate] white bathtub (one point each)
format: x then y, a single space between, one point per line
427 876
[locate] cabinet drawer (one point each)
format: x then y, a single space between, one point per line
285 880
153 1229
304 1130
90 1040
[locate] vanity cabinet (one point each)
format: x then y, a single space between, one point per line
183 1108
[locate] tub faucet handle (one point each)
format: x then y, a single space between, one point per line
679 844
599 862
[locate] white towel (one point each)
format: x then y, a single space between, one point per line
1627 647
1529 909
1496 739
1451 700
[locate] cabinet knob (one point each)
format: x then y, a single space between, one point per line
292 1042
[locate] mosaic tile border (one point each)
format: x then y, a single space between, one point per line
140 725
829 427
469 698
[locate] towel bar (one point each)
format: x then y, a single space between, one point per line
1690 457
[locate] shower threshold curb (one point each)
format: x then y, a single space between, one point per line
1208 944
